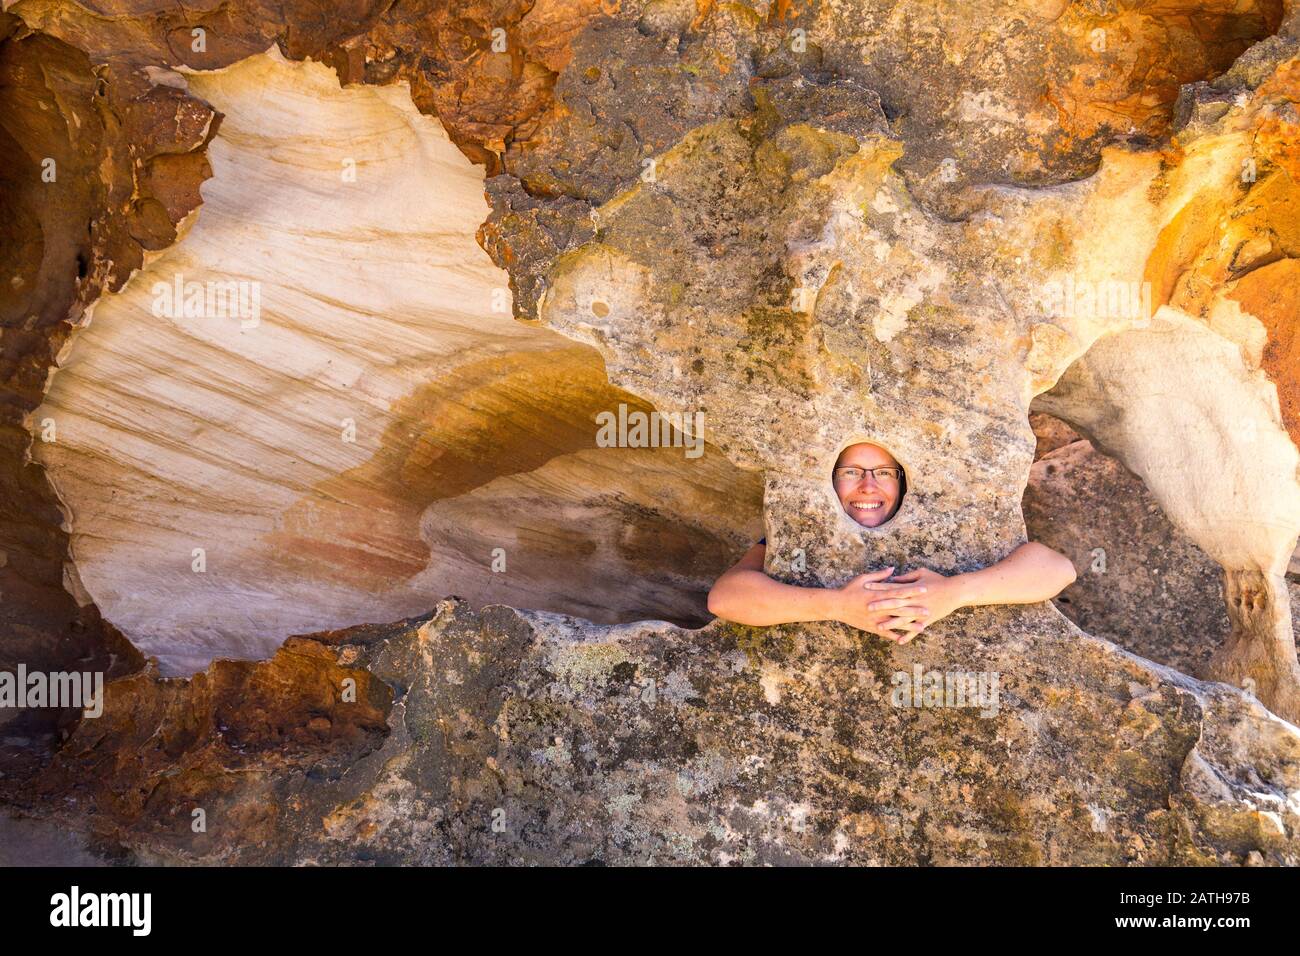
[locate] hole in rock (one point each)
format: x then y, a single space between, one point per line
354 434
1141 582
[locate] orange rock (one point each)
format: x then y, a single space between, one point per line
1272 294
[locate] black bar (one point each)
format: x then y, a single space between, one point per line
215 905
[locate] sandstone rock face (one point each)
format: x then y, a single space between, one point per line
78 210
883 339
1141 583
809 225
1242 519
297 430
520 737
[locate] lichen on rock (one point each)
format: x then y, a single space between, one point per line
522 737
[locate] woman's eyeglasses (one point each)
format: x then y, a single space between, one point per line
854 474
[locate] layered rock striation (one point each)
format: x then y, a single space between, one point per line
307 414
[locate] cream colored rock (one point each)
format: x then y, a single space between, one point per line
1141 582
261 465
1217 458
605 536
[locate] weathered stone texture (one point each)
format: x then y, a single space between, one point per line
814 224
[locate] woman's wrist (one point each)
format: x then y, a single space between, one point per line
966 585
829 604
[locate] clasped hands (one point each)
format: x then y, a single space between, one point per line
900 608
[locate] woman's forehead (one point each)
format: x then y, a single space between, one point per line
865 454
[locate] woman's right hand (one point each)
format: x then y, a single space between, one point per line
891 624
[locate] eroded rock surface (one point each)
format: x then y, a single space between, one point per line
519 737
354 377
1141 582
812 224
791 262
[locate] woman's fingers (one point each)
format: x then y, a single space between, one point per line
873 576
898 590
912 632
903 622
899 633
888 604
907 617
900 599
907 624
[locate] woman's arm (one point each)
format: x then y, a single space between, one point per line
1031 573
746 595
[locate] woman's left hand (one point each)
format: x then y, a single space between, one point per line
943 595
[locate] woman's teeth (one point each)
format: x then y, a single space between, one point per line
868 505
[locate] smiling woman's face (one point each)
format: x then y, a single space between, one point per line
869 499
